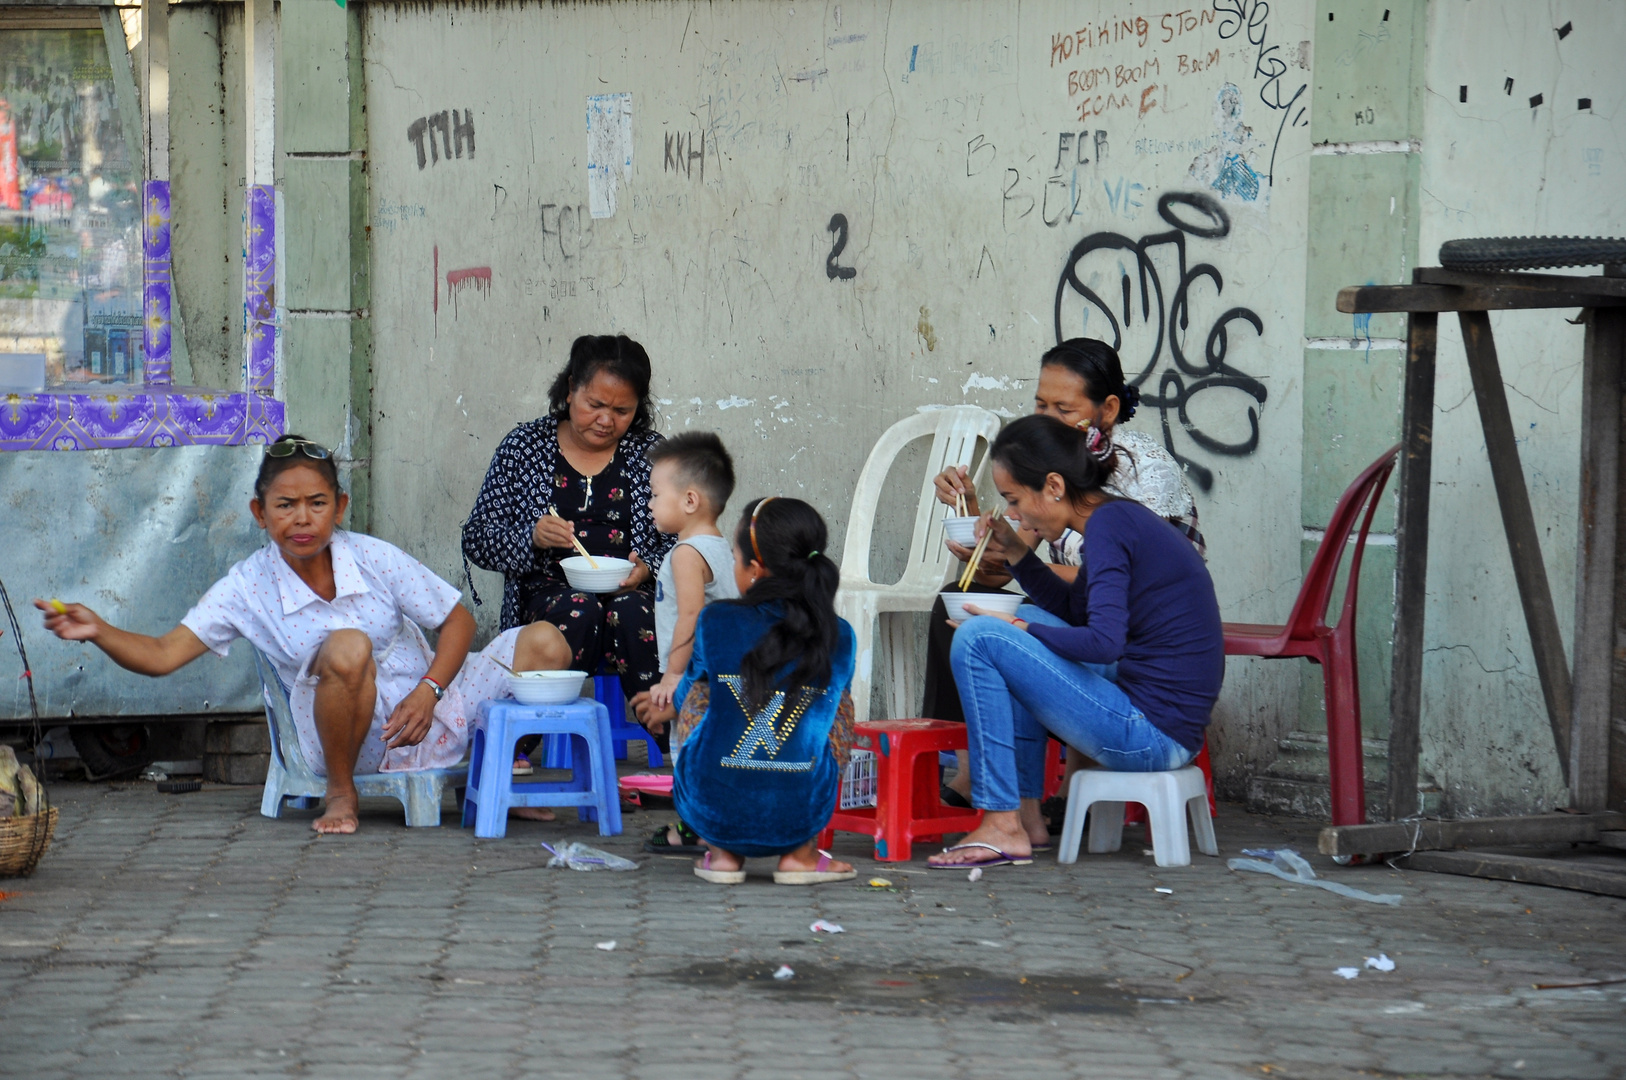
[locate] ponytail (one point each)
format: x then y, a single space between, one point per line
1034 447
787 537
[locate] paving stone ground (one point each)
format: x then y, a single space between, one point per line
187 936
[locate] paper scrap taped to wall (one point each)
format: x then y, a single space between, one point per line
609 150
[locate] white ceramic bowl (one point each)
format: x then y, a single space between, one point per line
955 601
546 687
962 530
608 577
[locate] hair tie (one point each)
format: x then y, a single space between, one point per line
757 510
813 554
1098 444
1130 401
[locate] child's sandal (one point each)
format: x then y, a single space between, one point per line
660 842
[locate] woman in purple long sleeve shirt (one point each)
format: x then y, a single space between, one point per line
1123 664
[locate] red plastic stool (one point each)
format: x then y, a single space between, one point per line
1055 767
908 806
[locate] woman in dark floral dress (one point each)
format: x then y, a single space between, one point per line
587 461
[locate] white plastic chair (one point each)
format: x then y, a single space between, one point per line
955 432
290 781
1168 798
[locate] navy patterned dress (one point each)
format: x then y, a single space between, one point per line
528 474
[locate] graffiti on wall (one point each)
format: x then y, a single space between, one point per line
455 131
838 229
1251 18
683 151
1113 288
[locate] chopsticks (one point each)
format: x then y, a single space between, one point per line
976 557
959 504
590 560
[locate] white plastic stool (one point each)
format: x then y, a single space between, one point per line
1166 795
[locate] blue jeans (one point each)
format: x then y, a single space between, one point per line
1017 693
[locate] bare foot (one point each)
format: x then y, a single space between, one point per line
1001 829
1033 823
340 816
531 813
725 861
807 858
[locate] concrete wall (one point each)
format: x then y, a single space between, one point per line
206 169
967 147
1496 165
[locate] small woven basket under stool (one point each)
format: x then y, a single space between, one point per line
24 841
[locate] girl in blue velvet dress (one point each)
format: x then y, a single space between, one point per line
764 716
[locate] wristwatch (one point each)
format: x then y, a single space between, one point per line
434 687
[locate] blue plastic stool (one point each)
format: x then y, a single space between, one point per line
492 788
607 691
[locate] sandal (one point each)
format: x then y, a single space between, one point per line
718 877
1001 858
522 766
659 841
820 874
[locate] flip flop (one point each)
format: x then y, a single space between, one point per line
523 767
659 845
717 877
1005 859
820 874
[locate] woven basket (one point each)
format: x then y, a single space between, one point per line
24 841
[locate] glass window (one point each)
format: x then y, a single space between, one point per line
70 210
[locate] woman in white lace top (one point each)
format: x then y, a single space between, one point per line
1081 382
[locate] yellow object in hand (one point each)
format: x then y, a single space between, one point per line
58 606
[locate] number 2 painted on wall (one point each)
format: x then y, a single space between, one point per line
838 225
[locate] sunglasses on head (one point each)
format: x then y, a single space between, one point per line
287 447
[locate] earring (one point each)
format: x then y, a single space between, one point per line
1058 498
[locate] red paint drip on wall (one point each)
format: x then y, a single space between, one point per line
479 276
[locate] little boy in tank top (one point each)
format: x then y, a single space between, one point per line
691 479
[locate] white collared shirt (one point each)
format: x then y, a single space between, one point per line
376 585
381 591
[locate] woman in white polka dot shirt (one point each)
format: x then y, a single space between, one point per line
339 615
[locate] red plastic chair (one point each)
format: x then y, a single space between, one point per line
1333 647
